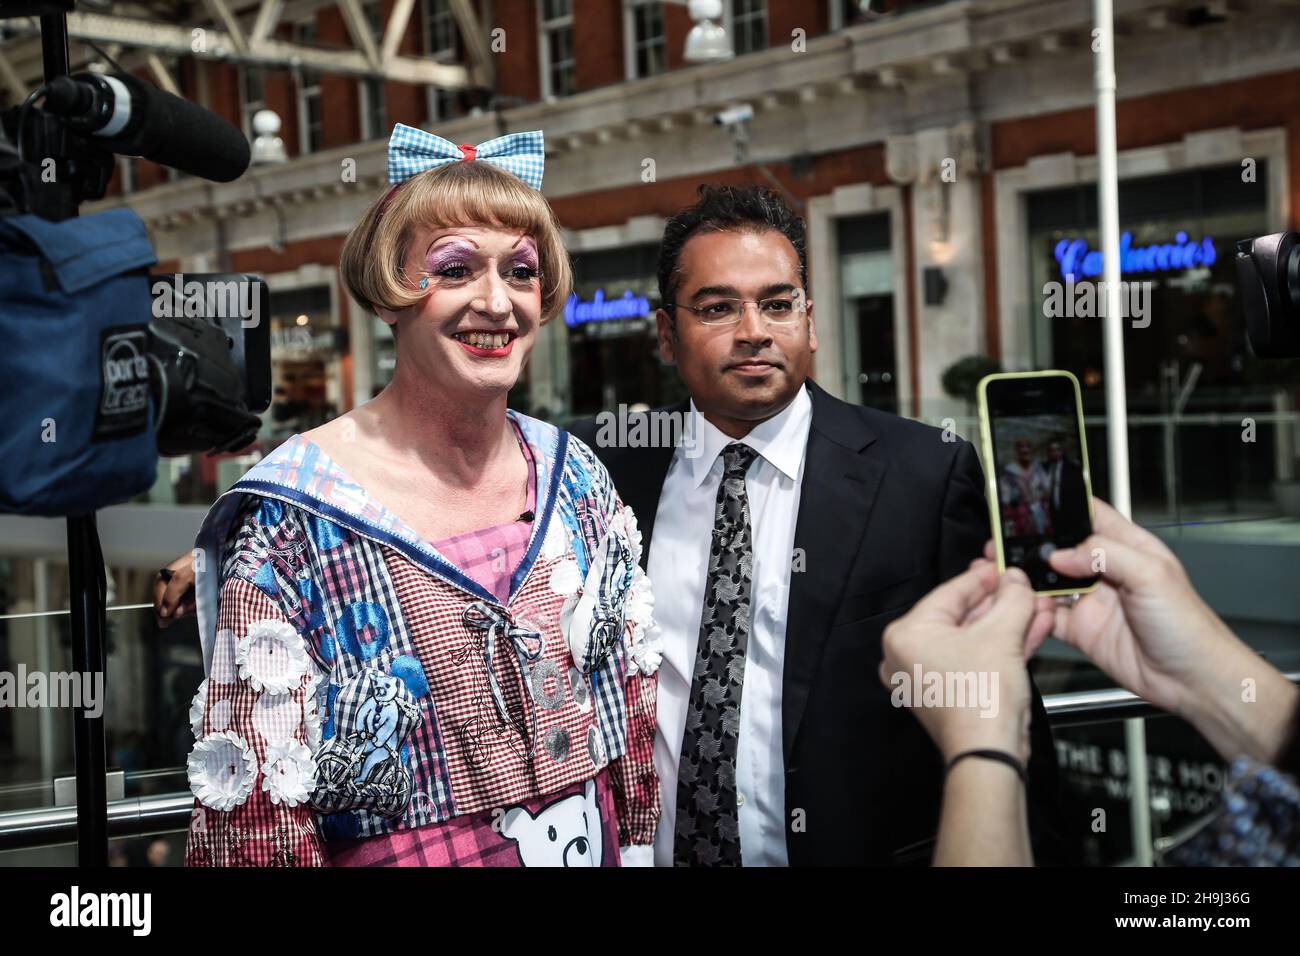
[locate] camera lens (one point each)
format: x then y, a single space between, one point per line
1268 275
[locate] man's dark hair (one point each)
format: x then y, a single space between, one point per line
752 208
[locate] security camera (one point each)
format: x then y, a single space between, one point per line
734 115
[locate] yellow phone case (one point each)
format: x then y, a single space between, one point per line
990 474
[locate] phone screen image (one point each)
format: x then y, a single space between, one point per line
1040 467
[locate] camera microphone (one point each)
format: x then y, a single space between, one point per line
134 118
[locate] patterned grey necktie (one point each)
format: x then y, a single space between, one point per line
708 829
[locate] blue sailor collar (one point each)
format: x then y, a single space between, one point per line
300 473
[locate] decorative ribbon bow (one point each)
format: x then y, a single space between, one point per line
527 645
412 151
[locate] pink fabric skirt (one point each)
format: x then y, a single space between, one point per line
555 830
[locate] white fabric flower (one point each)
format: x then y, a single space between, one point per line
642 638
276 717
644 645
222 768
271 657
639 608
647 651
556 543
289 774
565 578
198 706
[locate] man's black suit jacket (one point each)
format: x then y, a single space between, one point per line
888 509
1071 521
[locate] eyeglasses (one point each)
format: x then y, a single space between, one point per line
781 310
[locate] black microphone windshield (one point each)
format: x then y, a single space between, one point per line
175 132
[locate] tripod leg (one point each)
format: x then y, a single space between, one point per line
87 596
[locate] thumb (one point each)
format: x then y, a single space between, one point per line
1013 606
1118 562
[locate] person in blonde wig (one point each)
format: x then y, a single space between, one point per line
427 636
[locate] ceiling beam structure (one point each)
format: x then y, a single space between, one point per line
395 29
476 40
268 16
359 30
244 34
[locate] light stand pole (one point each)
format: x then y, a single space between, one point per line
1116 394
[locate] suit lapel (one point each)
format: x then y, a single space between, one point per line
840 481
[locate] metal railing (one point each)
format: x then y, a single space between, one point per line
134 816
170 812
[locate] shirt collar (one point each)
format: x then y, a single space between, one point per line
781 440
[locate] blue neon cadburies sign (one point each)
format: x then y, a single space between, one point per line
1076 259
599 309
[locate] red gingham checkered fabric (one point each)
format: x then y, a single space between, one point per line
488 769
469 840
636 785
491 768
257 832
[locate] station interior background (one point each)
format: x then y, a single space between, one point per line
943 155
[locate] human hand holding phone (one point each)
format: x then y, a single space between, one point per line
978 622
1146 627
1035 456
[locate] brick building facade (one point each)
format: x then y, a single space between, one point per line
914 144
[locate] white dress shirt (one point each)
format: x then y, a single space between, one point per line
679 567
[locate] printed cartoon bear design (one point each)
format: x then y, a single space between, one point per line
361 767
566 832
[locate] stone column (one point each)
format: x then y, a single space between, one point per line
942 164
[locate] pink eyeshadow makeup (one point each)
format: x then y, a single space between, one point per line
526 254
452 252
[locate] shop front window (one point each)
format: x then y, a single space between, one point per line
1184 343
612 340
1211 436
306 352
867 297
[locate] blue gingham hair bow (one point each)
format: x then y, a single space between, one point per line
412 151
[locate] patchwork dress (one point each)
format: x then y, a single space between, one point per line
374 699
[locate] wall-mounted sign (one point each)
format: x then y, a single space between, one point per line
1078 261
298 338
599 309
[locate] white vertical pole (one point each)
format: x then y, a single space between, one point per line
1116 399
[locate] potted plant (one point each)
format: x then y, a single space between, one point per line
962 377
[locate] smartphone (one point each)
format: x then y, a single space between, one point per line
1036 463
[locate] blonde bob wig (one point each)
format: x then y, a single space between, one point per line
469 193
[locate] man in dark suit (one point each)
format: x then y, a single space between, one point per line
781 537
1067 496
